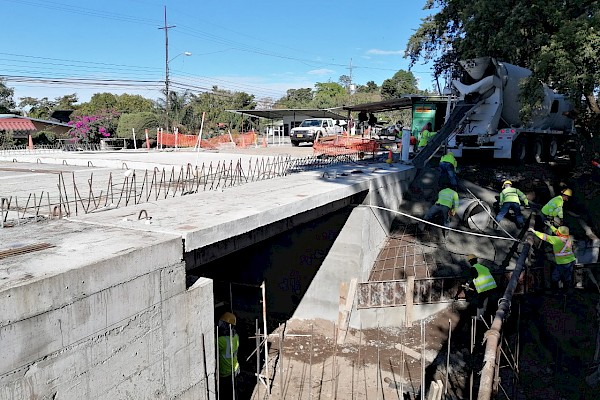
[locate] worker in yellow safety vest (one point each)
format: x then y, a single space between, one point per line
564 257
510 199
424 136
448 169
229 367
482 283
554 208
445 206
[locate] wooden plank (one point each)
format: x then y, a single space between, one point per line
410 287
347 293
408 351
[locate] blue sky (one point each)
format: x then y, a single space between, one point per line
260 47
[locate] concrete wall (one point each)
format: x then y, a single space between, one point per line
113 323
353 255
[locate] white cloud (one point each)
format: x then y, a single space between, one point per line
380 52
322 71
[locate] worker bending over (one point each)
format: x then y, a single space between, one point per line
448 166
553 210
445 206
482 283
564 257
510 199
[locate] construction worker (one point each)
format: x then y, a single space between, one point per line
448 166
564 258
424 136
482 283
554 208
229 367
446 206
510 199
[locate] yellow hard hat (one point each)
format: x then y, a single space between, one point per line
507 183
228 317
471 257
563 231
567 192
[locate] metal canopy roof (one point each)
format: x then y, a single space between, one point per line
16 124
394 104
290 112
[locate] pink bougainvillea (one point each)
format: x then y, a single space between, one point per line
92 128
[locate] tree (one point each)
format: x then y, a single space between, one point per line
369 87
92 128
329 94
98 102
403 82
295 98
7 103
345 81
37 108
558 40
134 103
66 102
138 121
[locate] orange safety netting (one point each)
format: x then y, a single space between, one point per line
343 144
179 140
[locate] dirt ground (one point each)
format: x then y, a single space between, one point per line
552 337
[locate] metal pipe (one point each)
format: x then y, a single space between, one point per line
492 336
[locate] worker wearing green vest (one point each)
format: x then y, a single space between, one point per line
510 199
424 136
564 257
445 206
229 367
553 210
448 167
482 283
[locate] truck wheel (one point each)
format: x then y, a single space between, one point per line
519 151
551 149
295 144
537 150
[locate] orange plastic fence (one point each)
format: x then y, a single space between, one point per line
179 140
344 145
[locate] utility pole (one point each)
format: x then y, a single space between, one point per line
166 28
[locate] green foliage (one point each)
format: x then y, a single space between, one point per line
329 94
403 82
133 103
7 104
138 121
369 87
43 108
44 138
558 40
295 98
98 102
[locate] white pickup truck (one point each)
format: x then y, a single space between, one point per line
313 128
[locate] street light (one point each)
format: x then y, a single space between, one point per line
167 61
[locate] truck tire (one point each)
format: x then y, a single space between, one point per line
295 144
550 149
537 150
519 150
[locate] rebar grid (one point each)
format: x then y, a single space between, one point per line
71 199
402 255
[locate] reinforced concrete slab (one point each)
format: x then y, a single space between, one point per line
208 217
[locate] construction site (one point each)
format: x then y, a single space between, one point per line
118 265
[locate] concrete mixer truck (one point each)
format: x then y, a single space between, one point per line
493 123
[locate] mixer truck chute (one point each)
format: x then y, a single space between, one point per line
493 123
